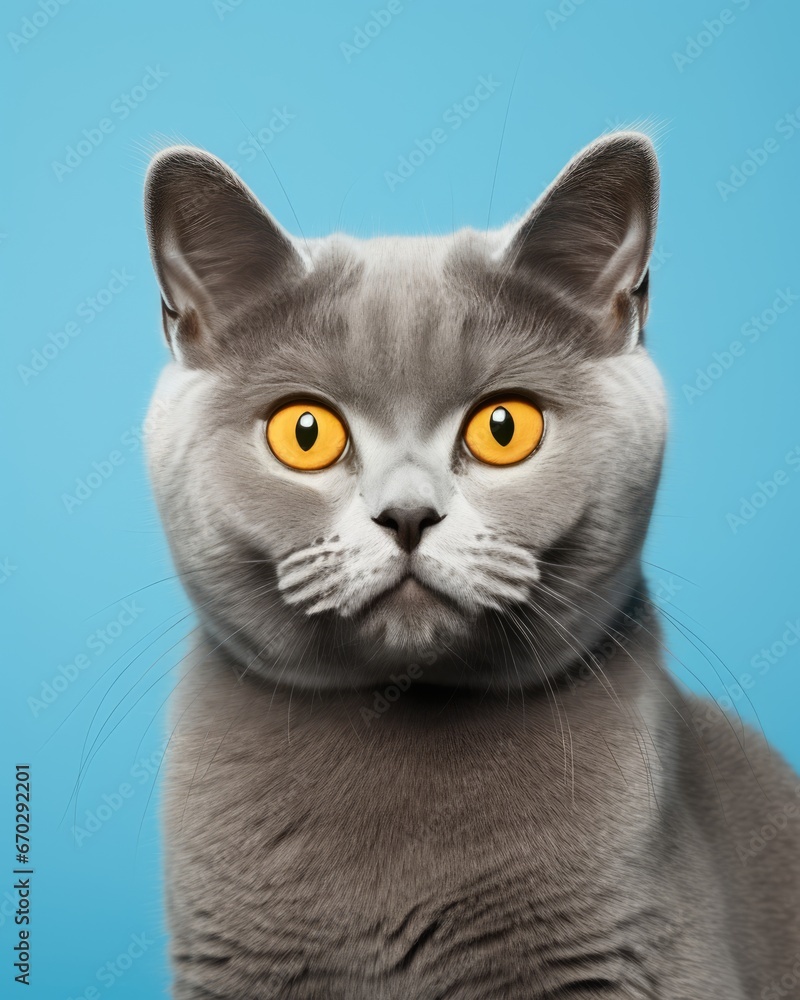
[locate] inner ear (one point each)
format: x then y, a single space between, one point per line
590 235
213 245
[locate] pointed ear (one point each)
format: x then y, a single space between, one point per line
212 244
590 235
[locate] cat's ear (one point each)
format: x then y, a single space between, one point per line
591 233
213 247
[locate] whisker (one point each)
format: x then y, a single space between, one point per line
90 755
500 147
668 650
689 724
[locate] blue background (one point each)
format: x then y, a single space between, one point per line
349 115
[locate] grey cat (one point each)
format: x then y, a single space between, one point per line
425 746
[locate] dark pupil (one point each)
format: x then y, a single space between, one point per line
501 424
306 431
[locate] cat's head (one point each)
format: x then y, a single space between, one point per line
436 449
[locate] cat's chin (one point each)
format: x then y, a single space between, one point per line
411 620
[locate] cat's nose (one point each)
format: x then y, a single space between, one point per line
408 523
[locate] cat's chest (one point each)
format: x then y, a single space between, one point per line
398 910
353 861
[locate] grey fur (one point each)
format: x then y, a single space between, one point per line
460 772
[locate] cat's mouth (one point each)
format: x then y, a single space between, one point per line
412 616
410 588
412 591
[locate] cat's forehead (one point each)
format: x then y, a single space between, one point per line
403 322
422 322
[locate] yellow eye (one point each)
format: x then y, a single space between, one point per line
504 431
306 436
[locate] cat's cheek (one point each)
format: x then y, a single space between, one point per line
290 508
515 501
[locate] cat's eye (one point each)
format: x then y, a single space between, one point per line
504 430
306 436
